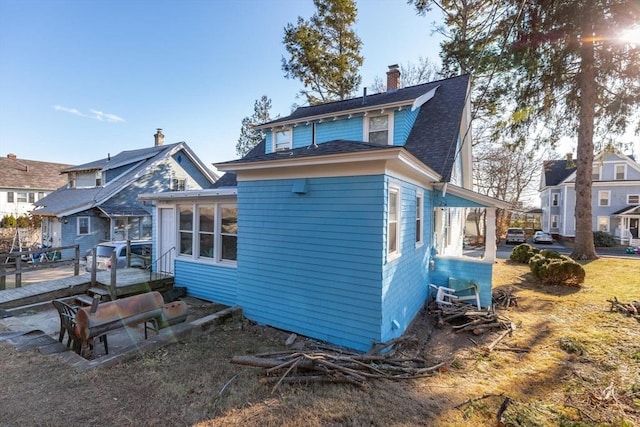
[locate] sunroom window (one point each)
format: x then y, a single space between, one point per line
210 231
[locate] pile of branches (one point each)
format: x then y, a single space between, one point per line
504 298
630 309
335 367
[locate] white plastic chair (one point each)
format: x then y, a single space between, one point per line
446 296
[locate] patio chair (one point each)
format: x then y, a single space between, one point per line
68 326
447 296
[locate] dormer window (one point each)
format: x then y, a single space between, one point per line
282 139
378 130
178 184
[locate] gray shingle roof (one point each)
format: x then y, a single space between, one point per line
556 171
433 137
67 200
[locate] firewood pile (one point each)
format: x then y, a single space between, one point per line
463 318
504 298
630 309
335 367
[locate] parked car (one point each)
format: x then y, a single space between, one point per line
140 254
515 235
542 237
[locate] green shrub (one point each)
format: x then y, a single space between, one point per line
523 253
535 264
560 270
603 240
8 221
550 253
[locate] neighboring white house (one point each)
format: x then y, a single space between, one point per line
24 182
615 197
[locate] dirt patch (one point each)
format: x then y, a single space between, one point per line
192 382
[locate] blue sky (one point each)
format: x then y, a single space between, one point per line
82 79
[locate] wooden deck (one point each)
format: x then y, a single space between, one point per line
129 281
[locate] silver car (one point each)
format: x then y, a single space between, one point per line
515 235
542 237
140 254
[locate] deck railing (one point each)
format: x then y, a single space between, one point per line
163 264
35 259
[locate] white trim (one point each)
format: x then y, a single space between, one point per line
633 195
608 193
281 129
551 217
624 172
419 241
172 195
216 258
356 112
88 218
365 126
608 230
397 253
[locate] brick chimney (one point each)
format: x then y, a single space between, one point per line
393 77
159 137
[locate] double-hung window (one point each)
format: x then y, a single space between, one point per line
419 218
603 198
83 225
603 223
393 223
554 221
10 197
621 172
555 198
595 173
210 231
379 129
185 230
282 139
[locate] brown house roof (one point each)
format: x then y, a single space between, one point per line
30 174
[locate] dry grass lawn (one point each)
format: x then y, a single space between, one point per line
583 369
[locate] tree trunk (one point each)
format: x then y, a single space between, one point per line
584 248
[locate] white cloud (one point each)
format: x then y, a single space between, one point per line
95 114
99 115
69 110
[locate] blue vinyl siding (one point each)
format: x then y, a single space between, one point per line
405 279
349 129
472 269
312 263
302 136
402 123
206 281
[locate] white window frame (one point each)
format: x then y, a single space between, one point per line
636 196
604 220
368 117
394 253
78 225
22 197
624 172
555 199
596 173
419 218
196 233
601 193
554 221
274 139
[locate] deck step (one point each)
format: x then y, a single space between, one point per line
99 291
84 299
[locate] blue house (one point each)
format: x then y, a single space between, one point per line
335 225
100 202
615 197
